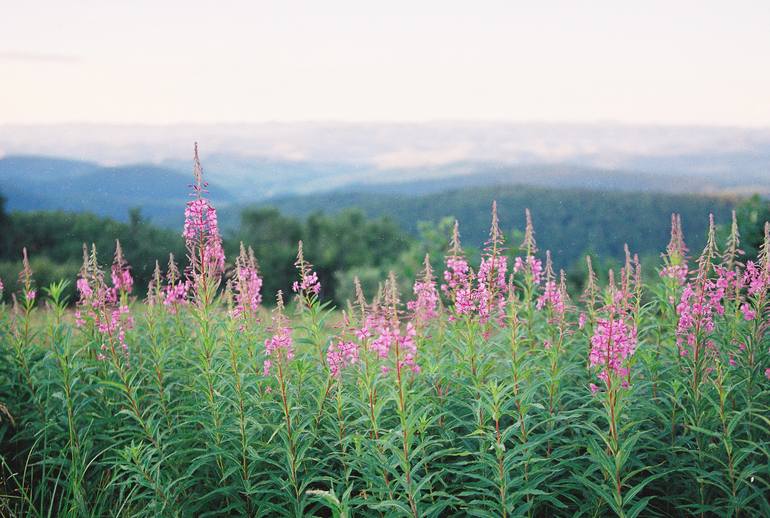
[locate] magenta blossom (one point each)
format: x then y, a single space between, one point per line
552 297
98 306
341 354
308 286
748 313
612 344
279 347
530 265
424 306
246 285
201 229
582 320
390 339
491 286
756 278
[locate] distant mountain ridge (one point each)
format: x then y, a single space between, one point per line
576 208
44 183
463 190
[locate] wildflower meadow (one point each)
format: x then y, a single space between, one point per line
487 390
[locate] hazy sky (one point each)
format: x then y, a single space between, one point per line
703 62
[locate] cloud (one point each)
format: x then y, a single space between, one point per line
36 57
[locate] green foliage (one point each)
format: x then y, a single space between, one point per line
569 222
494 423
751 214
54 241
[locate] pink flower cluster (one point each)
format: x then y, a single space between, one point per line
201 229
756 278
201 233
278 347
25 280
697 307
390 338
552 297
307 284
425 305
122 280
175 294
247 285
582 319
491 286
341 354
676 253
100 305
613 342
247 294
458 279
678 272
530 265
748 313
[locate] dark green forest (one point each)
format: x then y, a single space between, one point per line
569 222
366 235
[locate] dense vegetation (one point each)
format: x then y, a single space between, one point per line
347 244
571 222
488 393
341 242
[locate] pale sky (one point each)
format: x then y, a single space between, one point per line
159 62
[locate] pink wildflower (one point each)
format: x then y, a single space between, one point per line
122 281
424 306
531 266
756 278
382 343
341 354
98 306
551 296
458 277
697 307
612 343
247 284
491 286
176 289
676 253
582 320
201 229
25 280
308 286
493 273
279 346
748 313
407 345
363 333
280 341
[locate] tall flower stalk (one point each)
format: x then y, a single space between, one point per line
206 264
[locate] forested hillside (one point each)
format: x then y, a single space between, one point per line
569 222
